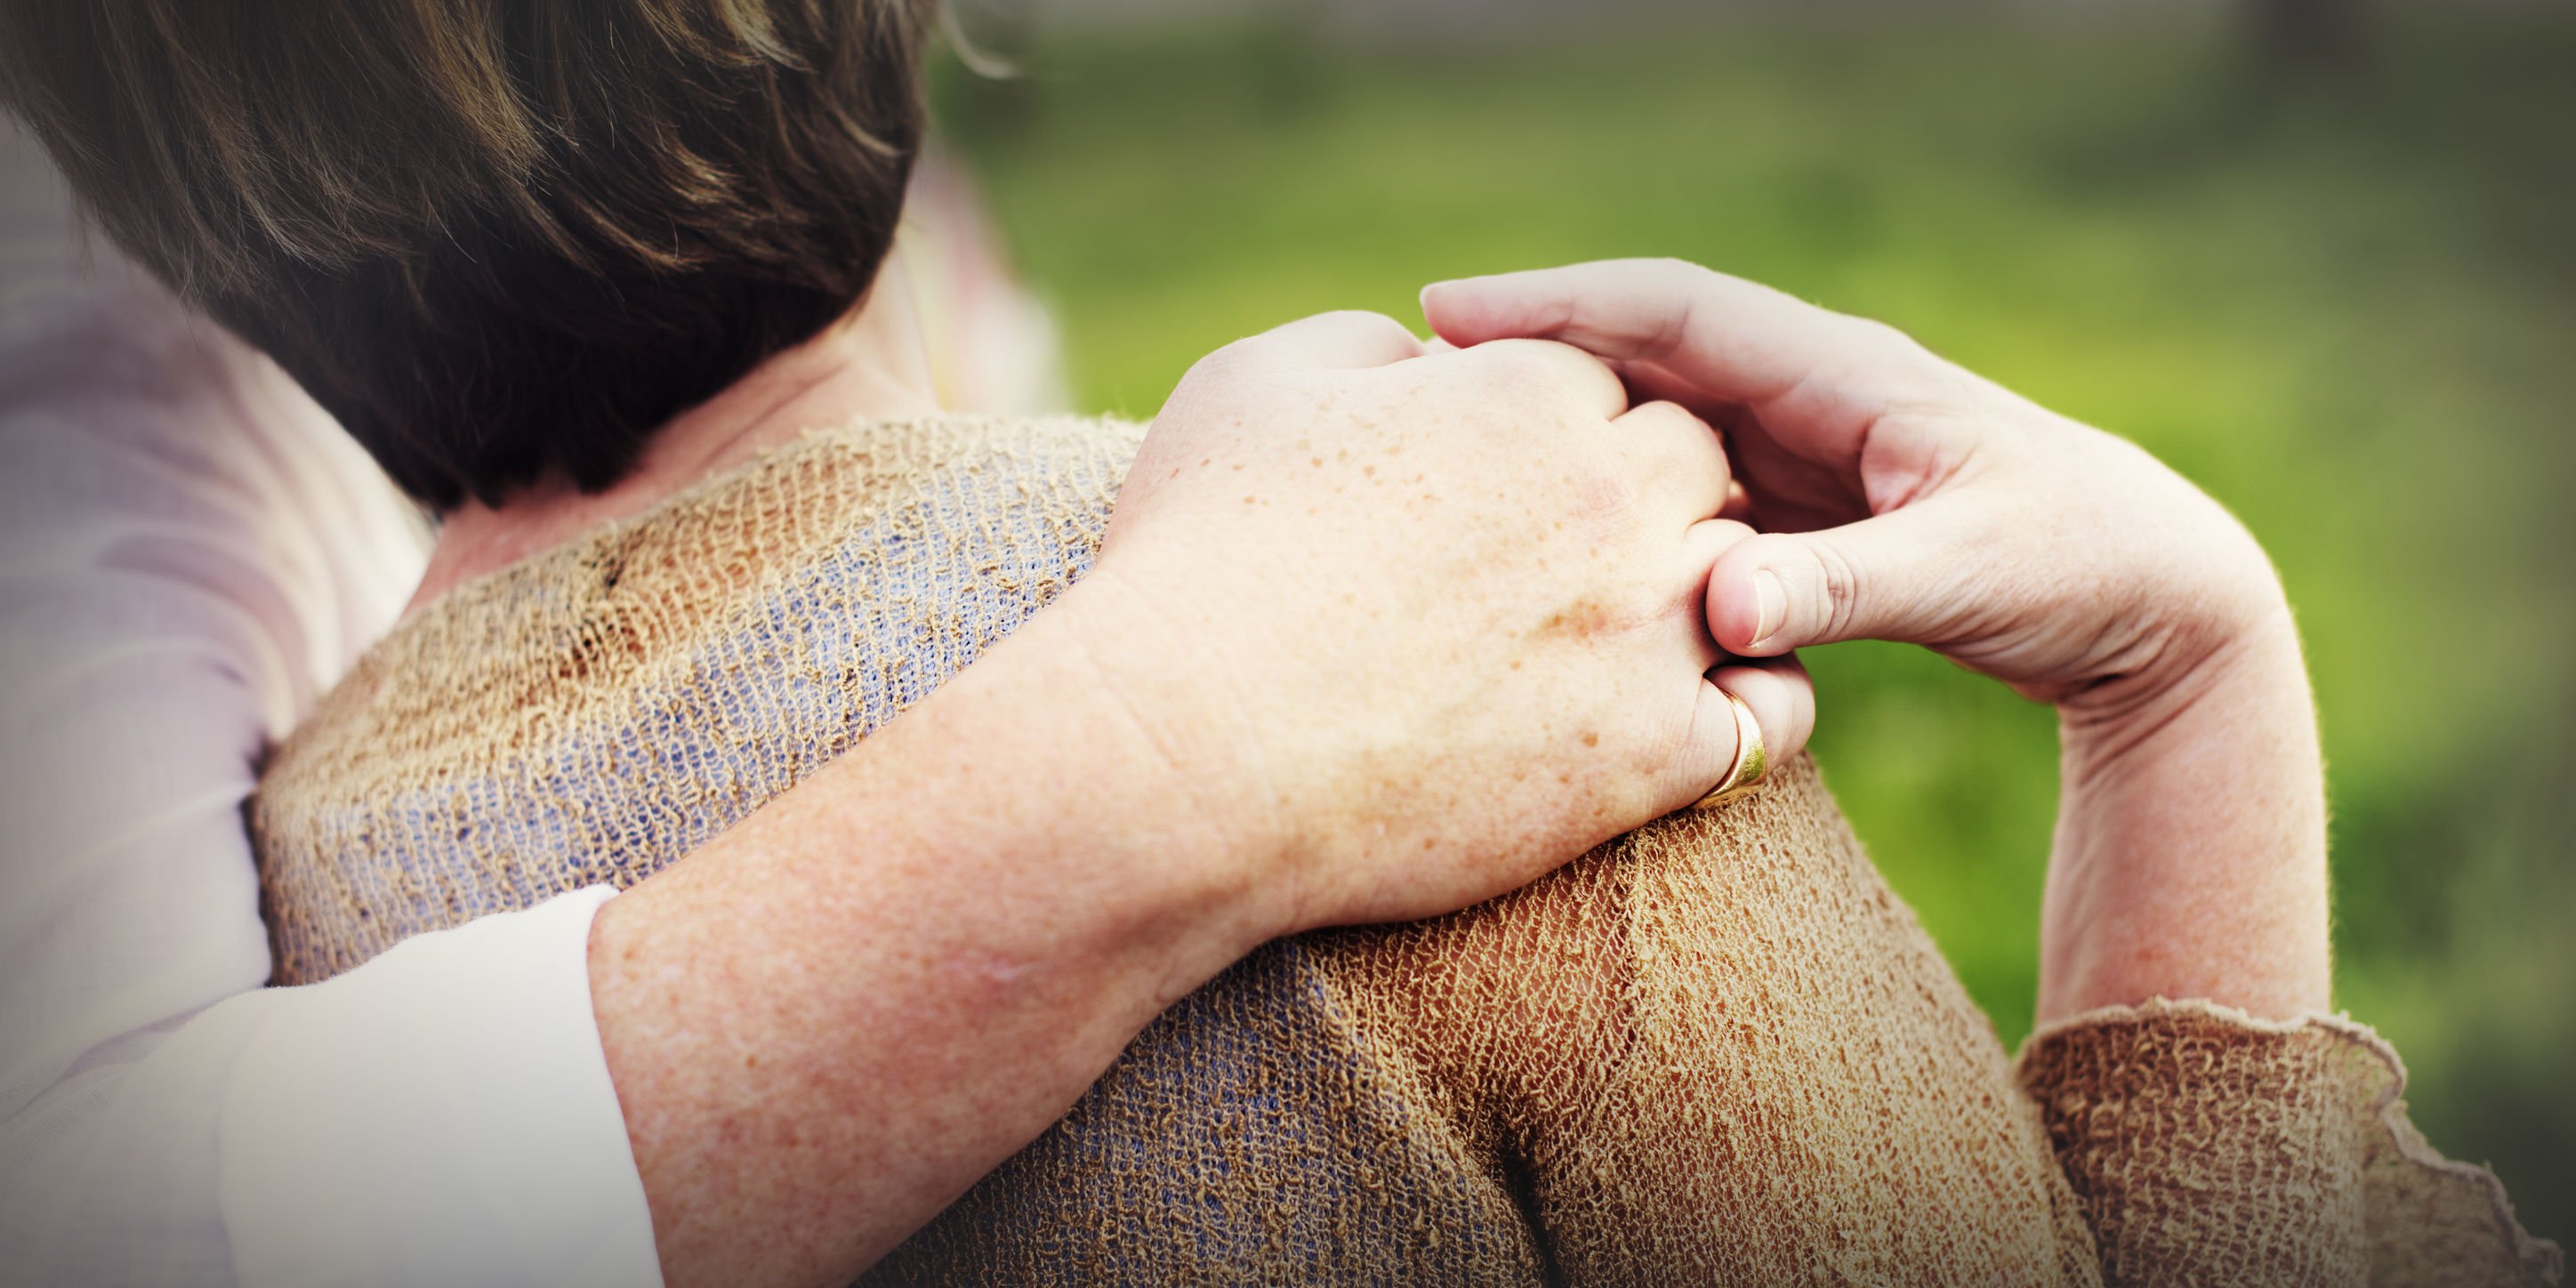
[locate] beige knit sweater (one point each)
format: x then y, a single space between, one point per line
1718 1050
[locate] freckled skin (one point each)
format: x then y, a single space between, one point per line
1570 644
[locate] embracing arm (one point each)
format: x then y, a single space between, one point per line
194 550
900 972
1248 719
819 1028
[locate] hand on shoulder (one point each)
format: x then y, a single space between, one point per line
1423 624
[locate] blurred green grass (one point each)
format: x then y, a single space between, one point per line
2344 302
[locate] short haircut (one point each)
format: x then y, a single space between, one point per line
496 238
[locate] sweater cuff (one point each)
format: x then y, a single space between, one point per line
2208 1146
440 1115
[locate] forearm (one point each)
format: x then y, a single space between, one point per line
2190 859
831 1022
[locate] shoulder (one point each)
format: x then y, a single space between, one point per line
1753 938
1521 993
594 712
632 607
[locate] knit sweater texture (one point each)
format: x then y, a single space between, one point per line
1716 1050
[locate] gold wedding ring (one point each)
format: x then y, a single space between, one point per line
1752 760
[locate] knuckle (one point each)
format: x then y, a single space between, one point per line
1886 334
1512 352
1674 266
1518 381
1672 427
1221 363
1877 336
1524 352
1838 589
1359 317
1600 492
1363 322
1680 444
1728 533
1893 347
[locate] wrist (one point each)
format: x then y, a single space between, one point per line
2212 675
1140 697
2208 614
2190 850
1013 875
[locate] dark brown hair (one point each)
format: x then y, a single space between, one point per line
494 237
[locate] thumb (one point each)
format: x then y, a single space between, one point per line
1898 576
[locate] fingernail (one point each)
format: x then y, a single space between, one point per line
1770 606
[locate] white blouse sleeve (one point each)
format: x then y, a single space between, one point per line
189 552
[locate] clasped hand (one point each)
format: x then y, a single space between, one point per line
1422 625
1423 622
1902 497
